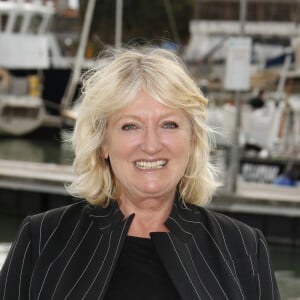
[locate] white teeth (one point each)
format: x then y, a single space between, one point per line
150 165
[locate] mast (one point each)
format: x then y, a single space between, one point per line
75 76
119 17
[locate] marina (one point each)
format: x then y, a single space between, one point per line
39 177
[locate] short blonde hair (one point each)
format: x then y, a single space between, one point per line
114 85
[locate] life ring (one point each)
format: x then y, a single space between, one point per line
5 79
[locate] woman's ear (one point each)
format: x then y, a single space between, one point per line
104 151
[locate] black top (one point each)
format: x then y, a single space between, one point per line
139 273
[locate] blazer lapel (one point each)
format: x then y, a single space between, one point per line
114 228
116 240
196 263
176 259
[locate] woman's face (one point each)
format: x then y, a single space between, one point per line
148 145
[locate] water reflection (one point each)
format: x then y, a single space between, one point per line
286 258
14 149
46 148
9 226
286 262
289 285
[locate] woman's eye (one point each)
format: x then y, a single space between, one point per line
170 125
129 127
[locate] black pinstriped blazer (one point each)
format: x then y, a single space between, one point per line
71 252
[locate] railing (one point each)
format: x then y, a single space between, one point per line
21 14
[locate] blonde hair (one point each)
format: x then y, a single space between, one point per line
112 86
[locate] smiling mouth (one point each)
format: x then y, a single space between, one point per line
148 165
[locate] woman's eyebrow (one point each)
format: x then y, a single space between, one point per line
127 116
164 115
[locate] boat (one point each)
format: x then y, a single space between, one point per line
27 23
32 81
20 115
22 109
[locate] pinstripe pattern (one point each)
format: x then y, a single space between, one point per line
224 260
197 272
100 269
184 268
40 237
21 273
226 246
56 258
10 258
84 271
269 265
71 253
259 288
223 293
69 260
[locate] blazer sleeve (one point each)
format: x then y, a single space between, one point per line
267 284
16 272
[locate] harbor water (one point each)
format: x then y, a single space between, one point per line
56 149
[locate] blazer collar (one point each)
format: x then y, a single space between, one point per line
107 218
182 221
179 249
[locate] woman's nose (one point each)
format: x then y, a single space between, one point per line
151 141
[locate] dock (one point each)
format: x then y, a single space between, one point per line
250 197
35 177
28 187
260 198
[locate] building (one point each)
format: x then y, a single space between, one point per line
273 26
257 10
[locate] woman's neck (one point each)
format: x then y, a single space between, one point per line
150 215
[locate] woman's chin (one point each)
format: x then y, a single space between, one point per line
153 191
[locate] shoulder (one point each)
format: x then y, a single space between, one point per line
52 217
68 216
53 228
226 223
65 217
62 219
227 230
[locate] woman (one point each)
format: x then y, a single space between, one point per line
142 163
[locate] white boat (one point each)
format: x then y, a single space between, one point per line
22 110
25 24
20 115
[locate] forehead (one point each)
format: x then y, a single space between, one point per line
145 105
